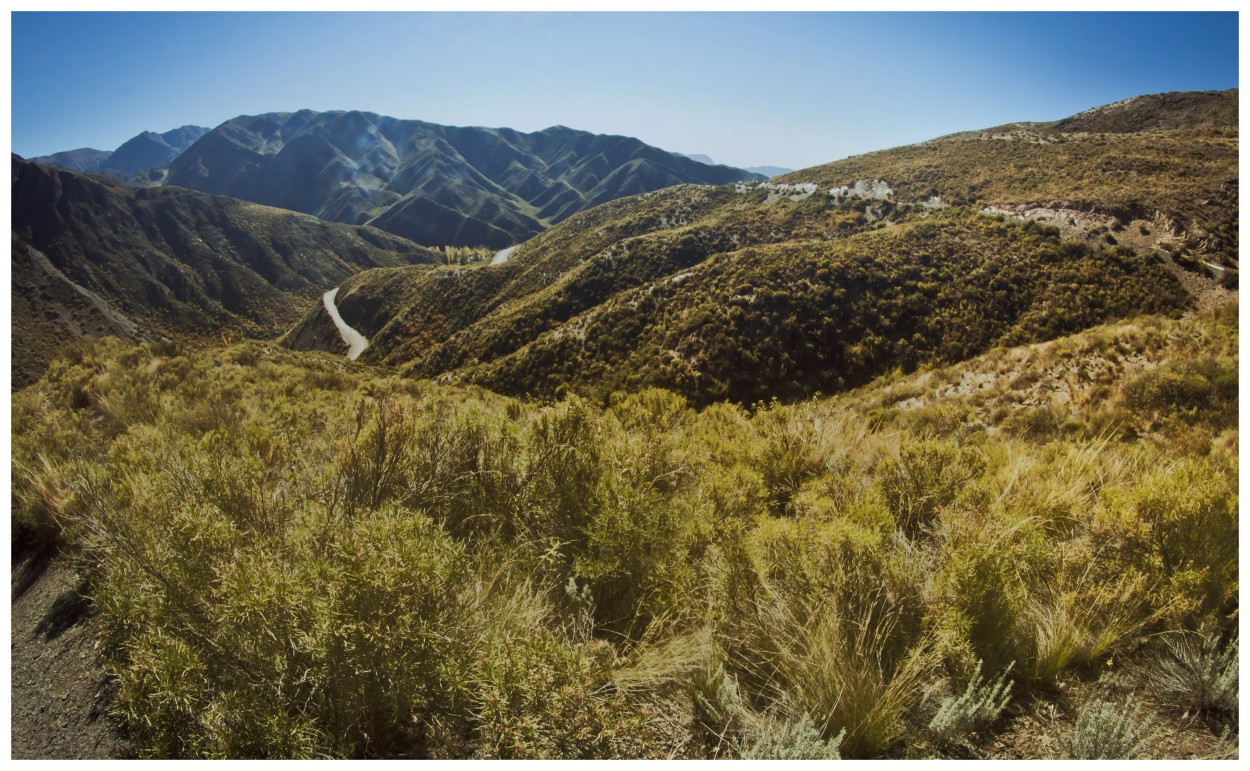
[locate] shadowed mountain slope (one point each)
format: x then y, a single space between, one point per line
93 256
82 160
151 149
140 159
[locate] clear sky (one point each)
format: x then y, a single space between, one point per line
786 89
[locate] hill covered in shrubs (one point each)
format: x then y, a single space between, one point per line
827 277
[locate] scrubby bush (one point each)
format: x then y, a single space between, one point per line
979 704
1185 514
1107 730
290 558
779 739
926 477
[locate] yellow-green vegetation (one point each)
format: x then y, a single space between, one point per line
793 319
293 555
1170 158
1183 177
744 301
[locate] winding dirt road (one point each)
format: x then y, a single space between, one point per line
356 342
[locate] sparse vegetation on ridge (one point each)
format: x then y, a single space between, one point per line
785 300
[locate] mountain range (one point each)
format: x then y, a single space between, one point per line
436 185
766 171
815 281
827 277
149 153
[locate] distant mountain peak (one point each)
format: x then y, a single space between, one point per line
437 185
700 157
140 153
769 171
84 159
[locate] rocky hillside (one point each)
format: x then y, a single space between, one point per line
437 185
91 256
829 276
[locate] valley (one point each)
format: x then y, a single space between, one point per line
337 435
693 289
92 256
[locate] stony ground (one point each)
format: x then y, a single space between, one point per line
59 696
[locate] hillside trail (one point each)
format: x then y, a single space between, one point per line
356 342
59 694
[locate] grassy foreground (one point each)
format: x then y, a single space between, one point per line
293 556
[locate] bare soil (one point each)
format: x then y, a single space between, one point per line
60 695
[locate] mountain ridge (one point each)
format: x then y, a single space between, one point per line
438 185
640 292
143 152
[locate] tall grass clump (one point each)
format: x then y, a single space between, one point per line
814 629
1195 671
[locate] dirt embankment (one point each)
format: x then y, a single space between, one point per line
59 696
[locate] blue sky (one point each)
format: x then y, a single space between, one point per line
788 89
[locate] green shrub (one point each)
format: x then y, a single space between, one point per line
926 477
979 601
1187 512
788 455
374 469
1165 390
541 698
636 559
